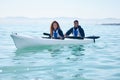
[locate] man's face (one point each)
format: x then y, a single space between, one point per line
76 24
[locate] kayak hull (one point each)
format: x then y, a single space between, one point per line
30 41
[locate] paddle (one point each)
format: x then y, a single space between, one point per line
72 37
47 34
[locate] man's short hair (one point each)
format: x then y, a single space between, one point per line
76 21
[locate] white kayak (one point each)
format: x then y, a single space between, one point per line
22 41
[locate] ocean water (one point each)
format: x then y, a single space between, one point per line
94 61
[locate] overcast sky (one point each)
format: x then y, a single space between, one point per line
60 8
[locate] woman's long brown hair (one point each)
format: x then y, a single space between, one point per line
51 27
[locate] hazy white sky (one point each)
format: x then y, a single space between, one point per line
60 8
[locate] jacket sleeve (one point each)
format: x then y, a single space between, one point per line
69 31
61 33
82 32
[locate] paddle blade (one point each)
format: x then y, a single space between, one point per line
46 34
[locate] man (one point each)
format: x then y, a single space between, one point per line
77 30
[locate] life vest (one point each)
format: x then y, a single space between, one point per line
56 33
76 32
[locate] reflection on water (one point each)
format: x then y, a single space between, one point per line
77 50
32 50
76 53
55 51
55 62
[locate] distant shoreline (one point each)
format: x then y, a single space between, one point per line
63 20
116 24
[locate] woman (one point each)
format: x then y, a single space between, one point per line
55 31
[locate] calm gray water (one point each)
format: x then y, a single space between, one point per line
99 61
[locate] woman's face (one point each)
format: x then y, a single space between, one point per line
55 26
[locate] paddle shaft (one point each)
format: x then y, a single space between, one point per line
72 37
